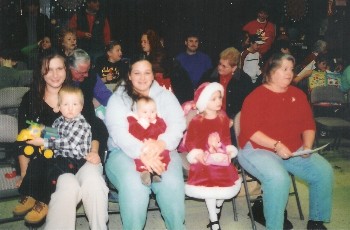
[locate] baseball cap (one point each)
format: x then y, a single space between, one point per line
256 39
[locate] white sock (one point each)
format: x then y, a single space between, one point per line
211 206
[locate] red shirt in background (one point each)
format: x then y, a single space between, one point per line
90 18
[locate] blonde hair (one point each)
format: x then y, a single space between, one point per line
71 90
232 55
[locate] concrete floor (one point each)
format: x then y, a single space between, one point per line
197 216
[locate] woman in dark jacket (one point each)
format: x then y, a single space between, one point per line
235 83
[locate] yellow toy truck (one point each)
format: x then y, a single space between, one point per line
36 130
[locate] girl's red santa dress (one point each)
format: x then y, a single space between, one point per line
210 181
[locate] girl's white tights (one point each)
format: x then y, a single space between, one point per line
213 211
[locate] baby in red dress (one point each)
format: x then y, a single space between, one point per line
145 124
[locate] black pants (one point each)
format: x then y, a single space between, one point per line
42 174
35 183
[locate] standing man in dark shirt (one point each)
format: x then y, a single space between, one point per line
92 26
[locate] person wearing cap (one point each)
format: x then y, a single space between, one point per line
124 148
273 129
262 27
211 177
250 59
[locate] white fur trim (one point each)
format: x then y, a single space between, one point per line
207 93
203 192
191 156
232 150
143 122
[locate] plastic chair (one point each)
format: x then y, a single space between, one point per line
328 104
246 178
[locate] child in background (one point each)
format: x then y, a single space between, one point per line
70 150
110 67
213 179
250 60
316 77
145 125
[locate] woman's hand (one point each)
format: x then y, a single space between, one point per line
150 155
93 157
19 182
87 35
38 141
153 163
305 155
283 151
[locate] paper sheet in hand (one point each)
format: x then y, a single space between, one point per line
308 151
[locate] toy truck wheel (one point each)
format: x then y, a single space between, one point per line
48 153
28 150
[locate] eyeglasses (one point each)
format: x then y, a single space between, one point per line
81 73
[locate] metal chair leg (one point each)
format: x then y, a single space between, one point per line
247 196
297 197
234 206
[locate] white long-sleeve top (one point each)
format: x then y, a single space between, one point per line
119 107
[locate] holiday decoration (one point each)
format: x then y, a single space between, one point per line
296 10
69 5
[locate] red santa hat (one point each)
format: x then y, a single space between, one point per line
204 92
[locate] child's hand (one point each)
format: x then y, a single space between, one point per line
231 123
201 158
93 158
109 77
38 141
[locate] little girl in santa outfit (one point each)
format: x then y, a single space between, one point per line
211 177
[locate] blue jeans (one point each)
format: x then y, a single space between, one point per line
134 196
272 172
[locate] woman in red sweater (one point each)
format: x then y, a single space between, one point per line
276 121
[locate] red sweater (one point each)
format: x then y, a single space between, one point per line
270 33
90 18
281 116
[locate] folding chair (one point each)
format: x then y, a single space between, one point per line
246 178
10 99
329 104
8 133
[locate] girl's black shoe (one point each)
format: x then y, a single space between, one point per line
210 225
